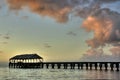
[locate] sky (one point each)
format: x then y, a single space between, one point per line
60 30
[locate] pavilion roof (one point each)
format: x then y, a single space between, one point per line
27 56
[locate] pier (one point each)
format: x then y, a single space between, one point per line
35 61
69 65
82 65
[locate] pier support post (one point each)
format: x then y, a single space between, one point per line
86 66
71 66
111 66
117 66
81 65
65 66
47 66
106 66
53 65
100 65
90 66
59 66
78 66
96 65
41 65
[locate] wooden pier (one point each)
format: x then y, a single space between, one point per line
35 61
69 65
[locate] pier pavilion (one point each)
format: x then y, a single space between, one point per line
25 61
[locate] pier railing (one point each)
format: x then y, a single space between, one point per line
69 65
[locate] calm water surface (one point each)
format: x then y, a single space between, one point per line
55 74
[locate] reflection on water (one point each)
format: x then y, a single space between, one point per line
55 74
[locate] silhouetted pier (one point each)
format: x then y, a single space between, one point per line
35 61
69 65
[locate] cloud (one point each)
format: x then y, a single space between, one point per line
59 9
24 17
116 51
52 8
104 23
6 36
47 45
71 33
4 42
97 55
105 27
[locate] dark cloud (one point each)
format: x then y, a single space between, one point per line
4 42
24 17
6 36
71 33
47 45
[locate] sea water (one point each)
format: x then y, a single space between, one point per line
57 74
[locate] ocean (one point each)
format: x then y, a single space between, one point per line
57 74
